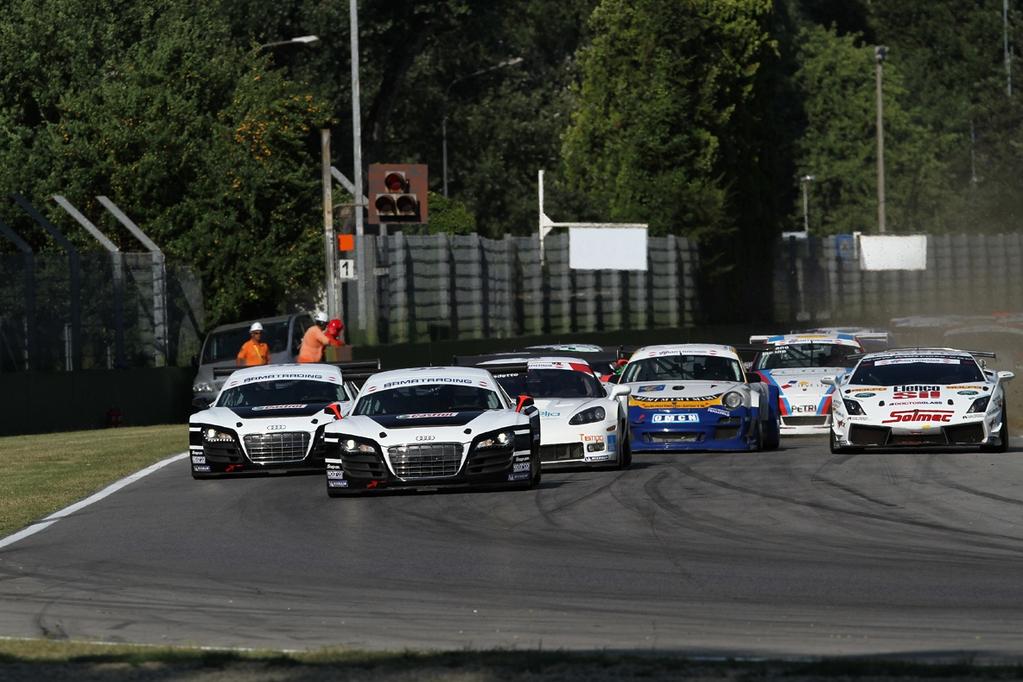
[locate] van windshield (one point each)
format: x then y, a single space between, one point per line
224 345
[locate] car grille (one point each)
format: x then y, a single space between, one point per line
820 420
436 460
561 452
868 435
726 433
277 448
965 434
918 439
673 437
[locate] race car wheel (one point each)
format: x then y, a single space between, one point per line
624 451
772 435
837 449
758 440
1003 437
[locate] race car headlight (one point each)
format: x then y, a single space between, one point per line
352 446
594 414
212 435
497 440
979 405
853 407
201 387
732 399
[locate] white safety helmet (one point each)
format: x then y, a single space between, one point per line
255 327
321 317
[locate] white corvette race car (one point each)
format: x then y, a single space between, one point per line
268 418
433 427
583 422
919 397
795 363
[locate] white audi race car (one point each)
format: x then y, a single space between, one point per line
698 397
795 363
929 397
433 427
268 418
583 422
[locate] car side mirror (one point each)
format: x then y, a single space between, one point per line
333 409
1006 375
829 381
620 391
524 402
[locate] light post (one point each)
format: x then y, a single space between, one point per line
301 40
444 120
880 52
805 182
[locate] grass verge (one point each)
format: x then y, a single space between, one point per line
44 473
53 660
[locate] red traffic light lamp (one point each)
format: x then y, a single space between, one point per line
399 193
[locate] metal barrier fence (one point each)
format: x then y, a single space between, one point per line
820 280
436 287
117 317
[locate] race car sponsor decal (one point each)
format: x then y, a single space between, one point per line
900 416
864 395
659 403
427 415
915 388
611 443
718 410
201 468
547 414
518 476
968 388
284 375
586 438
929 359
916 395
342 483
198 459
968 392
333 473
428 380
803 409
520 466
685 418
555 364
651 389
294 406
872 389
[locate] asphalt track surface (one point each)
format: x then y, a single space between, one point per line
790 553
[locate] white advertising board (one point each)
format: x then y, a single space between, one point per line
907 252
607 248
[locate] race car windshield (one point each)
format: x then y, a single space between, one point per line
806 355
916 370
552 383
281 392
427 398
683 368
224 345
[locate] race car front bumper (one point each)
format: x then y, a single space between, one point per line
704 430
862 434
805 425
584 445
230 457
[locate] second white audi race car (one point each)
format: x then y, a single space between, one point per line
923 397
583 422
433 427
795 363
268 418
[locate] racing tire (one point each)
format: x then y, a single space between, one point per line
204 477
1003 437
758 443
837 449
772 437
624 451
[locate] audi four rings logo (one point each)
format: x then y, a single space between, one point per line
276 427
426 437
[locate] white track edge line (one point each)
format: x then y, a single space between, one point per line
109 490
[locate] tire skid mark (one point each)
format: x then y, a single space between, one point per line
856 493
820 506
549 513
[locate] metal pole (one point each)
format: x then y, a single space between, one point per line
1005 47
328 224
879 55
444 149
356 115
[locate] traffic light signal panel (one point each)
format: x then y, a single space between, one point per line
398 193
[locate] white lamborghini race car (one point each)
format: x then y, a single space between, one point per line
268 418
583 422
795 364
919 397
433 427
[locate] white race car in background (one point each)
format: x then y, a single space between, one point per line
266 418
795 363
433 427
919 397
583 422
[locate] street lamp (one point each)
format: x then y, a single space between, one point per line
880 52
444 120
301 40
805 182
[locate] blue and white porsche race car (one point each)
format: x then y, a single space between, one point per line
698 397
795 364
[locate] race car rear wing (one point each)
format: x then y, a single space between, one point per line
974 353
351 371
